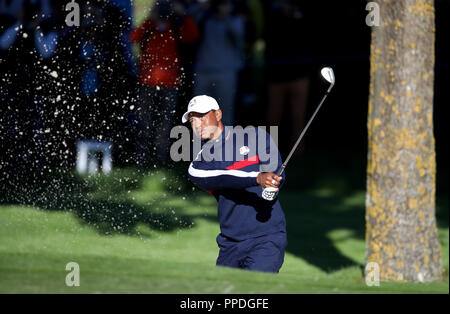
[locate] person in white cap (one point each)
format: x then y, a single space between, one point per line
253 230
206 108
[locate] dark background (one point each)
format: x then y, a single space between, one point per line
338 134
340 38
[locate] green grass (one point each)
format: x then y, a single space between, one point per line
133 232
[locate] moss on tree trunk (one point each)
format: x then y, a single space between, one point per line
401 234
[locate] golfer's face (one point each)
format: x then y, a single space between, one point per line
204 125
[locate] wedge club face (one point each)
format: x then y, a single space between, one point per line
328 75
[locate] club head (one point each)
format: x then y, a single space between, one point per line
328 74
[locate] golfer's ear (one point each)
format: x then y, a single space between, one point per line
218 113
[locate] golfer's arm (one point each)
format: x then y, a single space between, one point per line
271 161
212 179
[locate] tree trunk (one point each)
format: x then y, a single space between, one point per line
401 232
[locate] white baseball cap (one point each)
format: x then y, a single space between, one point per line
201 104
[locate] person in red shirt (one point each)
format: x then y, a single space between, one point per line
160 76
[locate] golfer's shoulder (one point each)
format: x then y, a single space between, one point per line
252 132
252 135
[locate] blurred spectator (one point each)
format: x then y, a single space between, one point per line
117 77
91 50
49 131
12 98
20 52
220 54
126 19
106 78
187 53
251 86
160 74
68 65
61 83
288 62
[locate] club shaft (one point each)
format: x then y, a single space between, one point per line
281 170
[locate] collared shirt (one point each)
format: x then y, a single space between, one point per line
227 168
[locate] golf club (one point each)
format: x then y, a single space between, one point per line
328 74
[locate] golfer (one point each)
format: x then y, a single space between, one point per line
252 229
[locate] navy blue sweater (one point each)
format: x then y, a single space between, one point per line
227 168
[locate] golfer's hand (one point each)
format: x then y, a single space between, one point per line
268 179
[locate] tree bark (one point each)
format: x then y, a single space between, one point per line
401 232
